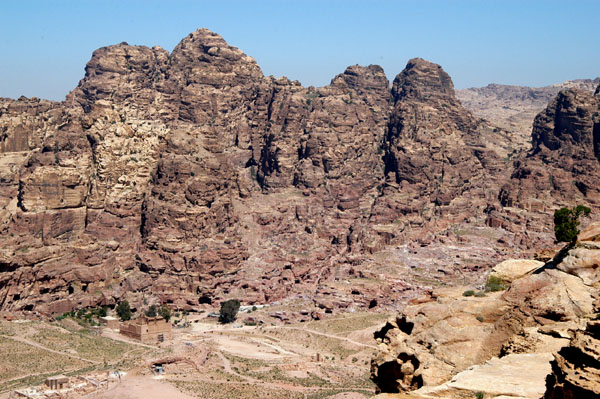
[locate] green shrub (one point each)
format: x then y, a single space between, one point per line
480 319
468 293
229 311
152 311
124 311
479 395
165 312
480 294
566 222
495 283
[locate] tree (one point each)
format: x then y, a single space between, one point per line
229 310
124 311
165 312
102 312
152 311
566 223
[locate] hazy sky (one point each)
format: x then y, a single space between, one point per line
44 45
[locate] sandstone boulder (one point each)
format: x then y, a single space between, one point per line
512 269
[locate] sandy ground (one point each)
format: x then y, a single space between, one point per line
142 387
213 361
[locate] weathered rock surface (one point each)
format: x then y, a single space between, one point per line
443 348
513 376
576 367
564 160
512 269
192 177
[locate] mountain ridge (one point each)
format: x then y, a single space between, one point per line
191 177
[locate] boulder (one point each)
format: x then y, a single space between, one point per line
512 269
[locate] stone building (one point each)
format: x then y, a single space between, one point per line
148 330
57 382
110 322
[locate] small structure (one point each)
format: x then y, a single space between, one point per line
57 381
148 330
110 322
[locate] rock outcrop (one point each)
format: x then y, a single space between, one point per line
451 346
565 156
191 177
576 368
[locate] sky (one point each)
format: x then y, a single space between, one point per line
45 45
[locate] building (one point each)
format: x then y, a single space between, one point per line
148 330
110 322
57 381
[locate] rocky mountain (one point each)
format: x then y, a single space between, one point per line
514 107
191 177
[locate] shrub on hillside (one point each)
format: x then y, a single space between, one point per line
494 284
229 311
566 223
124 311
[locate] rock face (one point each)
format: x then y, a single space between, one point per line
576 368
564 159
191 177
436 162
558 171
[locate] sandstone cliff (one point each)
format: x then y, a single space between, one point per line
192 177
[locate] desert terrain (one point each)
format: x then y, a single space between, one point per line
317 359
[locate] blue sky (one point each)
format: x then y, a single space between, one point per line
46 44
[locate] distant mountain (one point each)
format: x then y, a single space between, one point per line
514 107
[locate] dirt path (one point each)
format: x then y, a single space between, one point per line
325 335
29 375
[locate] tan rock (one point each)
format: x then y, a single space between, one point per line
551 296
516 375
512 269
583 261
576 368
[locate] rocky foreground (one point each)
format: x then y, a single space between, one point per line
189 177
536 339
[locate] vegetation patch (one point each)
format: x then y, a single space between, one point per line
494 284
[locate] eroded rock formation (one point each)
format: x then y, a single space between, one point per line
192 177
452 345
576 367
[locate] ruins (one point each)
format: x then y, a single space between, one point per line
148 330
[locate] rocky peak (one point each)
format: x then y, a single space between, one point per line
562 167
362 78
206 58
422 79
567 124
120 72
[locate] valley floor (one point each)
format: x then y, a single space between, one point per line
318 359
